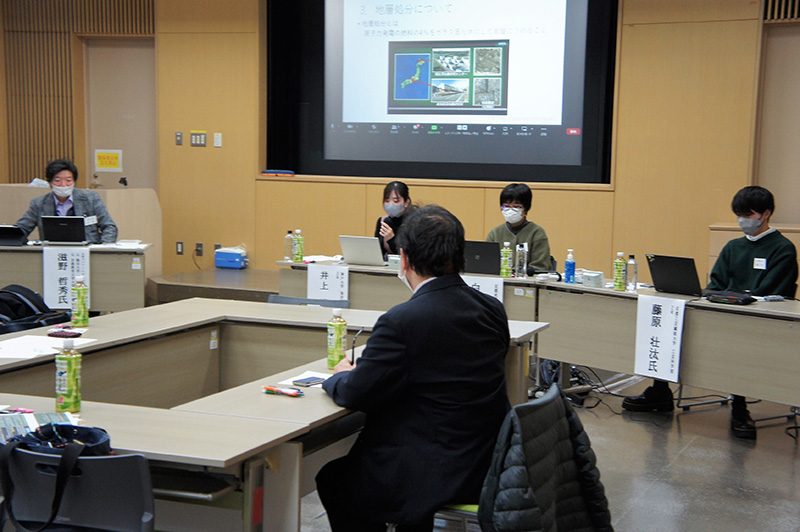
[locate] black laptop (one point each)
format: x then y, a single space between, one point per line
63 230
11 235
676 275
482 257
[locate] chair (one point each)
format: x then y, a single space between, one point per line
543 475
288 300
110 493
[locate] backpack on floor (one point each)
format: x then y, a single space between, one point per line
21 308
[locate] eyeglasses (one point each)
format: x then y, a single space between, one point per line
504 207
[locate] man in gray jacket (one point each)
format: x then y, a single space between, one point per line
65 200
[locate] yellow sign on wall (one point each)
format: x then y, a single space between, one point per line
108 160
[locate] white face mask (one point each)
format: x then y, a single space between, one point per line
401 274
394 209
62 192
513 215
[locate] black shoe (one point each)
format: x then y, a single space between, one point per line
652 400
742 425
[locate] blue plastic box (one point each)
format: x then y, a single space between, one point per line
230 258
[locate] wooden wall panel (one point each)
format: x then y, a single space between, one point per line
208 16
685 128
670 11
207 82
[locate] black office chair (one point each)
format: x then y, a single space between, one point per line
107 493
288 300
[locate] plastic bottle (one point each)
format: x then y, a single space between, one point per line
80 303
569 268
506 260
522 261
337 338
619 272
631 274
297 246
288 246
68 378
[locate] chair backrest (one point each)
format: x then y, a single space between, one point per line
288 300
111 493
543 474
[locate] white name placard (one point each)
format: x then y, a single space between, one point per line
61 266
659 330
491 286
327 282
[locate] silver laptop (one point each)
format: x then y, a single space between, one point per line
63 230
361 250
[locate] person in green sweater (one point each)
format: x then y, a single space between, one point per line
515 202
763 262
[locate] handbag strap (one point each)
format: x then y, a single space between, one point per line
66 464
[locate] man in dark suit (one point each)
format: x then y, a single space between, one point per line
432 383
65 200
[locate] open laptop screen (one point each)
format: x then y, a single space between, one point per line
675 275
482 257
11 235
63 229
361 250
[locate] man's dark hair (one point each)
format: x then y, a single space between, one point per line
433 240
753 199
54 167
517 192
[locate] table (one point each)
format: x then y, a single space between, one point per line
220 283
117 274
746 350
147 364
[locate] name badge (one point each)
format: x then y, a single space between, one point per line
759 264
92 220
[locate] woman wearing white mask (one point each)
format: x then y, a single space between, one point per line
397 204
515 202
66 200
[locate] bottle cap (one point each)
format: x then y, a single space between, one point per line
297 231
506 244
620 254
69 343
79 278
289 232
569 250
631 256
337 312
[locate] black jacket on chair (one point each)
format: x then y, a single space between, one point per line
432 383
543 476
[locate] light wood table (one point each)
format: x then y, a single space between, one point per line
116 275
220 283
746 350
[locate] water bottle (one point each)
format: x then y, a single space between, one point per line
337 338
506 261
68 378
569 268
522 261
80 303
631 274
297 246
619 272
288 246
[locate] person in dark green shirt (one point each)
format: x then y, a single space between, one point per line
515 202
763 262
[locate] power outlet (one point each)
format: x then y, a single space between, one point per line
198 249
179 248
217 246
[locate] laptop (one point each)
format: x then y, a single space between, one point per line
676 275
482 257
11 235
63 230
361 250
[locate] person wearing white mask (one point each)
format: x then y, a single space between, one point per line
397 204
66 200
763 262
515 202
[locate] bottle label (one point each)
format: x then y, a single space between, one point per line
80 307
68 383
337 342
506 262
297 249
619 274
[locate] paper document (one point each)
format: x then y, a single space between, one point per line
30 346
18 424
305 375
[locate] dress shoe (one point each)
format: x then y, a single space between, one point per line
652 400
742 425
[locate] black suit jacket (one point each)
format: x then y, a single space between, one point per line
432 382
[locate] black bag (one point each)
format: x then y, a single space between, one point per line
21 309
70 441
